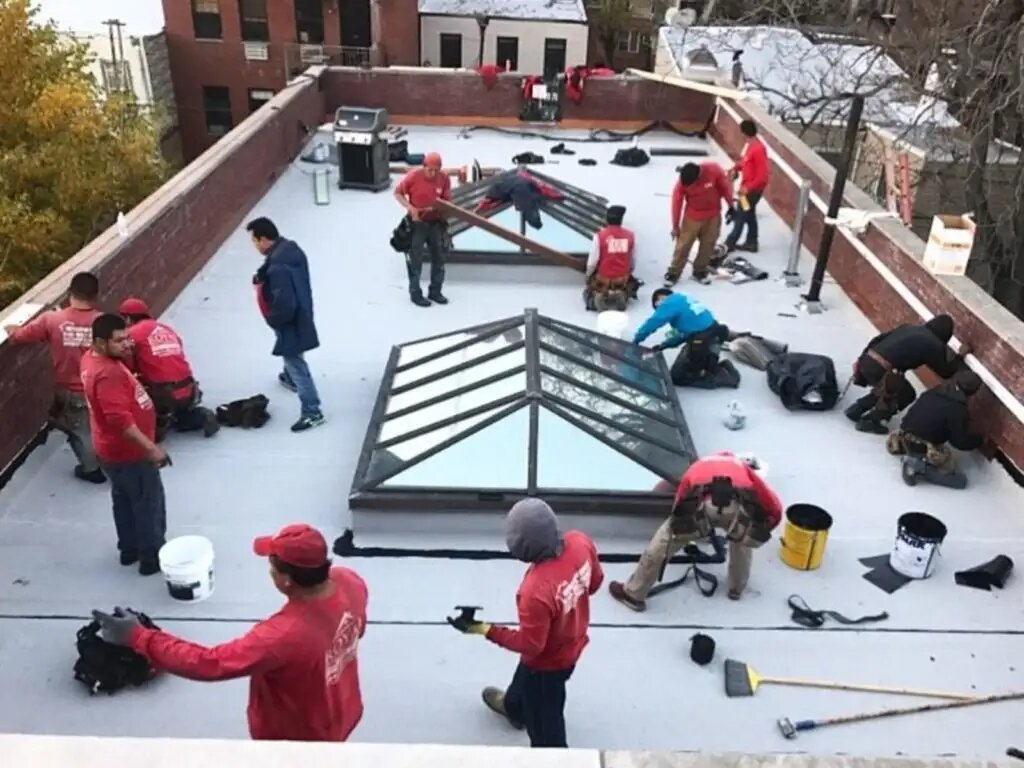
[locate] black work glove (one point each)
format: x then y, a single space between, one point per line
730 215
468 627
117 628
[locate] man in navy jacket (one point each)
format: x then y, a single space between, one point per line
286 300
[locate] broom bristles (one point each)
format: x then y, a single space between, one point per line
737 680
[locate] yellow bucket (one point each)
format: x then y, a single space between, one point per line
804 537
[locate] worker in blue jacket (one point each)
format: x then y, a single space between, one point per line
690 323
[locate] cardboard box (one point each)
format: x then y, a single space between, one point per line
949 245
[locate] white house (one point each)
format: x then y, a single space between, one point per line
121 66
529 36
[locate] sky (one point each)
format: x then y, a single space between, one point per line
142 17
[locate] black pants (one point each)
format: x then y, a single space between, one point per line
699 357
140 516
747 219
537 700
428 241
890 390
183 414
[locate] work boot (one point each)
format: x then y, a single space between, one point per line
872 424
618 591
748 247
494 698
96 476
437 297
702 277
148 566
129 557
419 300
913 468
735 594
210 424
286 381
309 421
860 407
671 278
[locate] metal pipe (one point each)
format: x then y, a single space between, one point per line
792 273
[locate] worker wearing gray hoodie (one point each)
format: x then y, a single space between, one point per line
553 602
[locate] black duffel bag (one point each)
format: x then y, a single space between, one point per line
804 382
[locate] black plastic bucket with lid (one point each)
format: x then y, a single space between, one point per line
919 538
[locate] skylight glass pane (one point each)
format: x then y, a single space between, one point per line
452 406
553 234
493 458
620 347
632 368
570 459
473 352
410 353
612 386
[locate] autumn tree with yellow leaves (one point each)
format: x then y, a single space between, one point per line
69 160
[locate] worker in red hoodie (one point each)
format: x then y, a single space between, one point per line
554 615
610 266
753 172
157 356
697 217
68 331
719 491
301 662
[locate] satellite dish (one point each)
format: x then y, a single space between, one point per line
681 18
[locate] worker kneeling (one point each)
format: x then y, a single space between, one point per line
692 326
610 281
938 420
158 359
719 491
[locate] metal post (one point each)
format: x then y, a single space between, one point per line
813 297
792 273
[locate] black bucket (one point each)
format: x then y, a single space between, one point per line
919 540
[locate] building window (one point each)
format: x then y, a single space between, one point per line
255 27
451 50
630 41
554 56
258 97
206 19
508 53
309 21
117 77
217 105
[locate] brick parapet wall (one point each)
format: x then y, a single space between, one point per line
996 336
171 235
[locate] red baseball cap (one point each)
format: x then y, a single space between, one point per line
133 306
432 160
299 544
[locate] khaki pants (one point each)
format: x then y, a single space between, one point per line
70 414
705 233
665 544
938 456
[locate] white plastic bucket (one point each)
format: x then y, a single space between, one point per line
918 543
187 565
612 323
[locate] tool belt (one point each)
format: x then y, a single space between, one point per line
748 524
885 364
162 394
600 284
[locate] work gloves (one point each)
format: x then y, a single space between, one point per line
730 215
117 628
469 627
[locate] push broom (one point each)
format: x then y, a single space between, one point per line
742 680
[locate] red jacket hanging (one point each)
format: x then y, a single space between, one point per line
528 82
489 73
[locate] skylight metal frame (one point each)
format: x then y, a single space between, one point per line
371 493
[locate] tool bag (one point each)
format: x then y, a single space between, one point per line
106 667
401 237
804 382
633 157
248 413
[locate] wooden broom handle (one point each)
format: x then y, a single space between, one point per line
870 688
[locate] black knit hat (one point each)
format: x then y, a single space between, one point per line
702 649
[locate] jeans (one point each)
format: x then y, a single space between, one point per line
298 371
537 700
140 515
748 219
70 415
427 240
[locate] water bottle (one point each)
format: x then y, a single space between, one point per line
734 416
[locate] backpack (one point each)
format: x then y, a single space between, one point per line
804 382
401 237
633 157
248 413
106 667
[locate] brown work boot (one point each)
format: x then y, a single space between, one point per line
494 698
618 591
735 594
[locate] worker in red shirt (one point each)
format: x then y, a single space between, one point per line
123 422
302 662
68 331
702 188
554 615
157 356
753 172
718 491
610 265
417 192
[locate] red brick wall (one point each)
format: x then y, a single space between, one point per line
901 252
399 32
172 235
432 94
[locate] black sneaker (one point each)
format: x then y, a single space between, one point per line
96 476
872 426
286 381
308 421
147 567
210 424
748 247
419 300
671 278
129 557
437 297
704 278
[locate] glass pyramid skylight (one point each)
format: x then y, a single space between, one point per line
523 406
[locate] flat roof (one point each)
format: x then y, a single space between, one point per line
635 687
524 10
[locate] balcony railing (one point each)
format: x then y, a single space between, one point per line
300 56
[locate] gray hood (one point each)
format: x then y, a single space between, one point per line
531 531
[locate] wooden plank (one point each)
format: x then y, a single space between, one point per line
505 234
679 82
